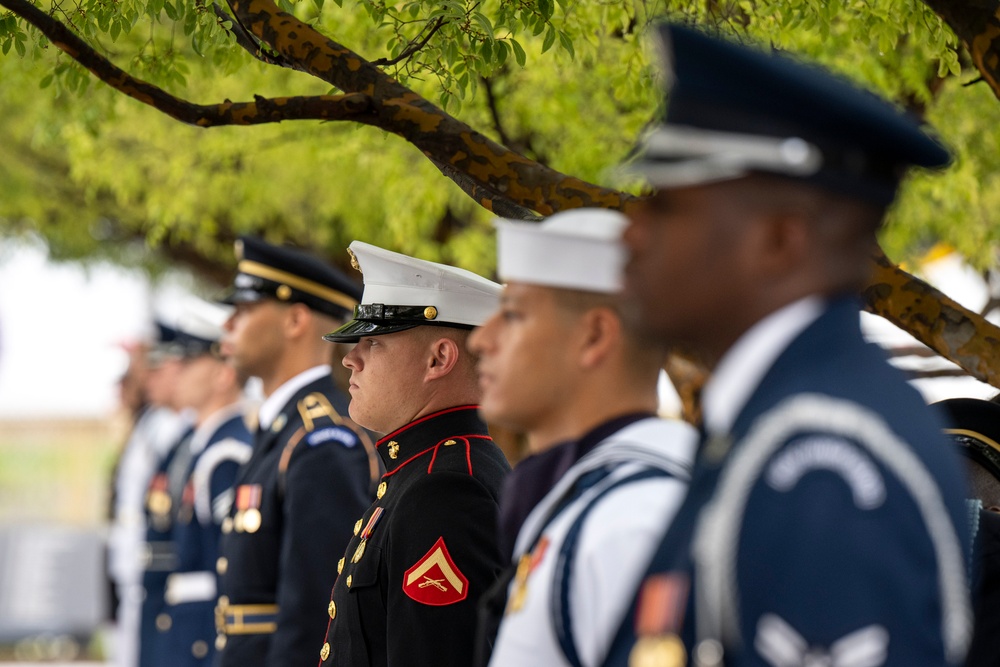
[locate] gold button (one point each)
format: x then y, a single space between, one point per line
199 649
227 525
223 601
381 491
430 312
284 292
332 609
325 652
340 565
222 565
220 642
357 527
349 580
163 622
449 443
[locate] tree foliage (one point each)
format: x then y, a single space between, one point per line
538 100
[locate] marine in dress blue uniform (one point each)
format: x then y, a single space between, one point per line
825 522
311 472
219 444
423 554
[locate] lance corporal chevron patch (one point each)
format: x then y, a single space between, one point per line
435 579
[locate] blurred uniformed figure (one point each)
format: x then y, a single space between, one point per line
163 492
825 523
220 442
974 426
156 429
557 364
312 469
425 552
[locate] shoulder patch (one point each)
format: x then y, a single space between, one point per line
341 434
435 580
316 406
834 455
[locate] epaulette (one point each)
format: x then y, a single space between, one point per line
315 406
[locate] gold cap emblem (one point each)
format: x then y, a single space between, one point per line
430 312
284 292
354 260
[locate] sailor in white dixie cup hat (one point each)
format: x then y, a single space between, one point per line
424 553
586 509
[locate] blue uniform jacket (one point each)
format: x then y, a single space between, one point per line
827 528
163 497
186 629
309 478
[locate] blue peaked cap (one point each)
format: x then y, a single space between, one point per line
733 110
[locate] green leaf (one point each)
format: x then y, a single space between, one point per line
567 44
550 39
519 54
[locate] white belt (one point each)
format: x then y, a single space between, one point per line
190 587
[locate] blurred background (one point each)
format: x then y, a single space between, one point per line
112 213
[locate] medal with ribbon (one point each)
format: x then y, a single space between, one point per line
366 533
247 518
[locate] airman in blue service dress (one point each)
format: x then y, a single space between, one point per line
426 550
825 522
310 476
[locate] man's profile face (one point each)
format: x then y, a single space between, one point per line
161 382
387 379
253 337
524 358
683 272
196 381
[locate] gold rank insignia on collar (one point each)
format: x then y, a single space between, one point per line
393 450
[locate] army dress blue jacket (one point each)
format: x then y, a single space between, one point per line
424 553
296 499
825 527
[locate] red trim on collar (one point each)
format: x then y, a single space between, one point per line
423 419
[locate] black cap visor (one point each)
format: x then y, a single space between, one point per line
355 330
236 296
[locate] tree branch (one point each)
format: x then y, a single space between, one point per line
977 24
953 331
506 176
412 47
261 110
248 41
